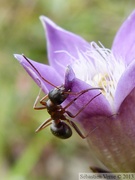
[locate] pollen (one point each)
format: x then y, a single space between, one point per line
107 85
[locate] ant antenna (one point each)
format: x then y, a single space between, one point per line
38 72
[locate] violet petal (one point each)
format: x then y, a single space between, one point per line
69 76
63 46
47 72
125 85
124 42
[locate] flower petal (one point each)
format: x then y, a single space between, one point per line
125 85
69 76
124 42
47 72
113 139
62 45
98 106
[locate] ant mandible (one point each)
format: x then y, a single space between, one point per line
52 102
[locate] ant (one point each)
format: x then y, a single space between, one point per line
52 102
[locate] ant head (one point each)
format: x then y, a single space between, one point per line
57 95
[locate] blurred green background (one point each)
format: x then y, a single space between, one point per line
24 154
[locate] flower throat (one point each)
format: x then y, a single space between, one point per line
99 68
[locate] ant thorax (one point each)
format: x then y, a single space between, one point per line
57 95
56 111
51 107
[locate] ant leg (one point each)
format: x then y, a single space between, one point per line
38 71
80 93
75 126
44 124
73 116
83 91
41 102
78 130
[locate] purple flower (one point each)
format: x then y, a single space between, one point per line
109 119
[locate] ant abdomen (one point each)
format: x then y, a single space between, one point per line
61 130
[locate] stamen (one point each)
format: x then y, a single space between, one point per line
99 68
